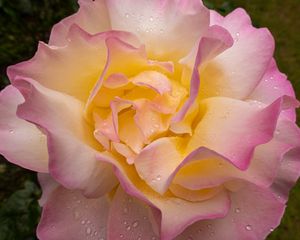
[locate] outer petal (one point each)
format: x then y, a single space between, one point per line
130 218
249 206
168 28
176 214
222 76
70 140
92 16
288 174
21 142
48 185
273 85
68 214
226 121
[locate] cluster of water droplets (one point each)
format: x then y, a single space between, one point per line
133 226
147 24
90 228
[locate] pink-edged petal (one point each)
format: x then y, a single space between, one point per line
60 68
21 142
154 80
215 41
48 185
288 174
254 214
221 76
68 214
71 145
92 16
176 214
226 118
125 151
116 80
273 85
155 165
168 28
130 218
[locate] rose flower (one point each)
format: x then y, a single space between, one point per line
154 120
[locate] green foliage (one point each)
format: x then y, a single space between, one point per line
19 214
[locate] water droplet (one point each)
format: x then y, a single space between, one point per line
127 15
78 201
211 234
271 229
275 87
277 131
128 228
153 238
158 178
271 78
95 233
11 131
88 231
156 125
199 230
125 210
121 235
237 36
237 210
82 222
151 19
209 225
145 218
125 222
135 224
248 227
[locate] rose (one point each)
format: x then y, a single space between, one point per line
154 120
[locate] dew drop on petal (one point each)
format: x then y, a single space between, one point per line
88 231
158 178
209 225
271 229
125 210
127 15
121 235
248 227
11 131
82 222
128 228
237 210
151 19
135 224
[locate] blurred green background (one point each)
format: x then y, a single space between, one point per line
24 22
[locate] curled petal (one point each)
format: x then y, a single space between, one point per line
22 142
221 75
70 147
249 206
